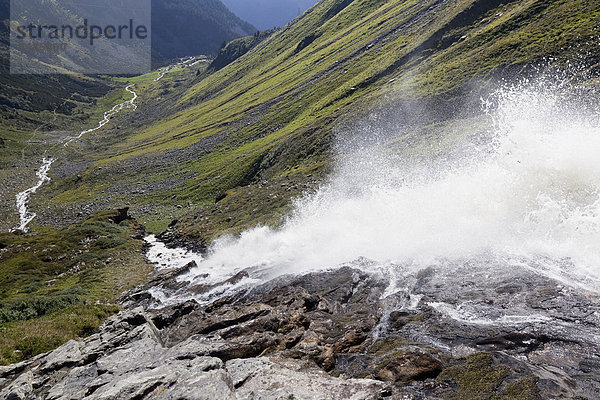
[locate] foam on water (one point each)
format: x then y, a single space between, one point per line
26 215
534 190
164 257
531 192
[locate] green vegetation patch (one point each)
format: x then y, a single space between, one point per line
384 346
479 379
203 132
25 339
58 284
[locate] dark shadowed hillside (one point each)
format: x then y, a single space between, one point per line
193 27
237 48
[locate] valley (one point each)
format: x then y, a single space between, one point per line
384 199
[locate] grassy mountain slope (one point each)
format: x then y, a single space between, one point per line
237 48
36 111
222 151
266 120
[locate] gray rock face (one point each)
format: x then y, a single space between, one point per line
436 333
259 378
21 388
128 359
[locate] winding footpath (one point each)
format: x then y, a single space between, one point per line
25 214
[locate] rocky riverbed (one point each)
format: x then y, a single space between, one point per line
447 331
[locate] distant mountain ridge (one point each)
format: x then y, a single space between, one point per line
179 29
193 27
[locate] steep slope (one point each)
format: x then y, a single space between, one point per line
54 37
180 29
37 109
243 140
193 27
35 93
237 48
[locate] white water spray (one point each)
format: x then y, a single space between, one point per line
530 195
163 257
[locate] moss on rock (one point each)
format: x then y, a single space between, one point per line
479 379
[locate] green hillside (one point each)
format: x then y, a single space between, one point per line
269 115
225 147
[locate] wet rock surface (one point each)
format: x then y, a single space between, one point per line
339 334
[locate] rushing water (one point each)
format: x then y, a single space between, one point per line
186 62
107 115
528 195
25 214
163 257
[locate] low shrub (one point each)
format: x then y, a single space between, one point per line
36 306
